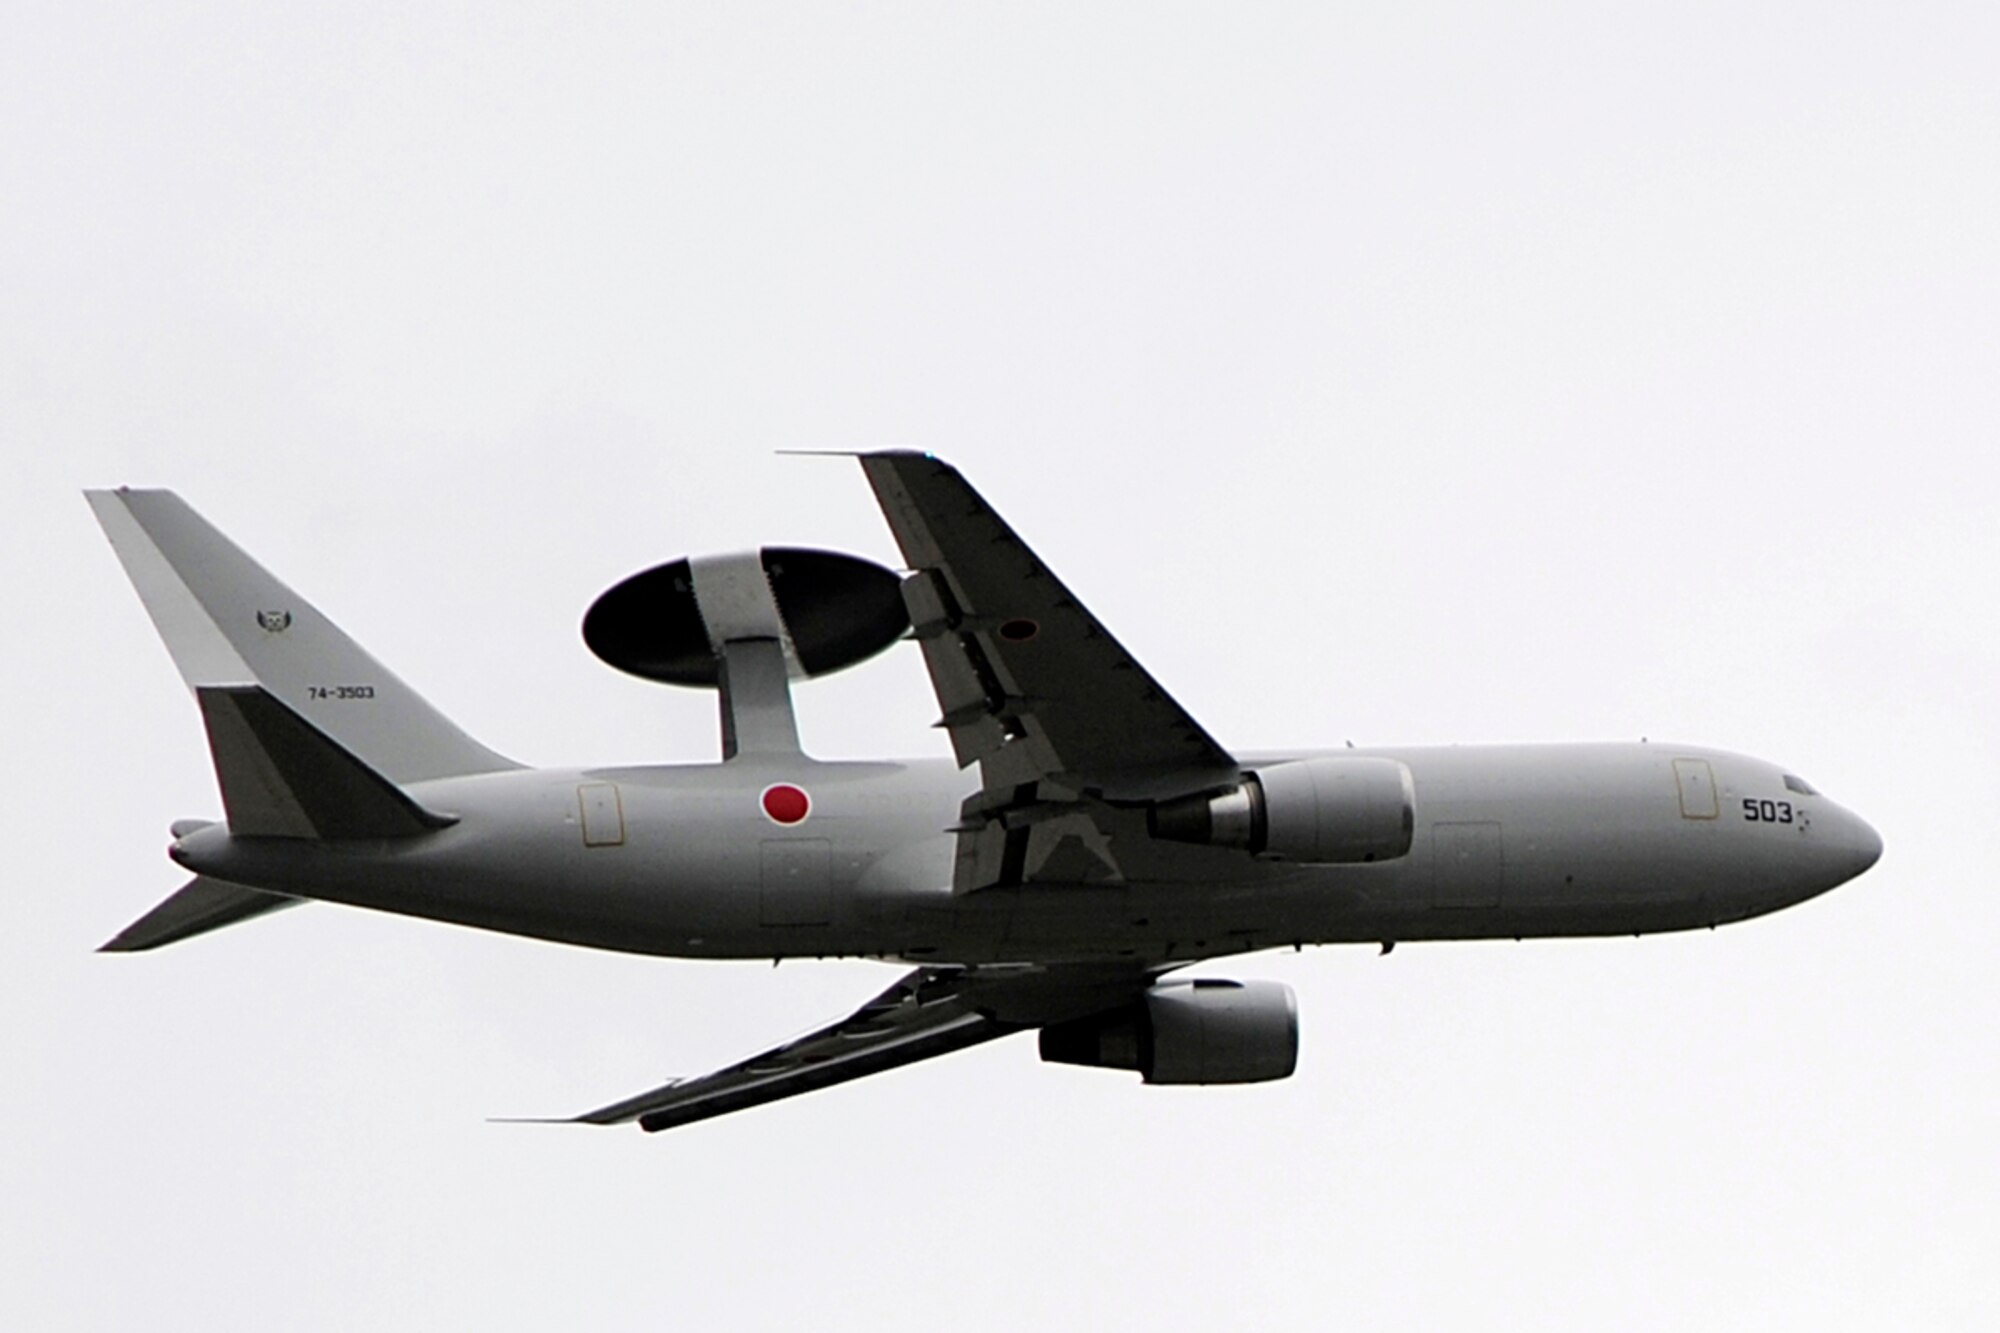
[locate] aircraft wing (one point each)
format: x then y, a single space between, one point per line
1031 685
1060 718
927 1012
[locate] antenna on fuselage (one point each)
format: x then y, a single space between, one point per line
746 626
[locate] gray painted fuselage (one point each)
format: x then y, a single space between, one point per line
1510 841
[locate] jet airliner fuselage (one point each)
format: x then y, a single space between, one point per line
1518 841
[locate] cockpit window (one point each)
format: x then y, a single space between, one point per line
1799 785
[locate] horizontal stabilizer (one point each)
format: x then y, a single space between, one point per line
201 905
282 777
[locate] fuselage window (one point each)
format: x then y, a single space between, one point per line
1799 785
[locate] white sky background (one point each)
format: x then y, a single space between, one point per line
1427 374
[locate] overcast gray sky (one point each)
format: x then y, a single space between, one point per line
1398 373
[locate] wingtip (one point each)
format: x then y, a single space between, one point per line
129 940
863 454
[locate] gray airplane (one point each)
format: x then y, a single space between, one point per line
1090 841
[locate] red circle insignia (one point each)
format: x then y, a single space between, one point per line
786 804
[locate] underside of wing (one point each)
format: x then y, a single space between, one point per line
1064 723
201 905
927 1012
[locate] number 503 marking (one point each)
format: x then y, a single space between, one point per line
1767 812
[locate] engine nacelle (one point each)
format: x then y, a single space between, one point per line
1317 811
1188 1032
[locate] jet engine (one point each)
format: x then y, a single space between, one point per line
1317 811
1188 1032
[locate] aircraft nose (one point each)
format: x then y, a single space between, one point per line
1864 843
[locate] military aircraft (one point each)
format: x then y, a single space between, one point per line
1090 840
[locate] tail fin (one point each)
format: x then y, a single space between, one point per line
229 622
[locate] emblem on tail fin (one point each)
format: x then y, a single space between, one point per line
274 622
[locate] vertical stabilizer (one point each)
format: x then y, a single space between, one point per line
229 622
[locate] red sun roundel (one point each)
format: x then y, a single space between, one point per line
786 804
